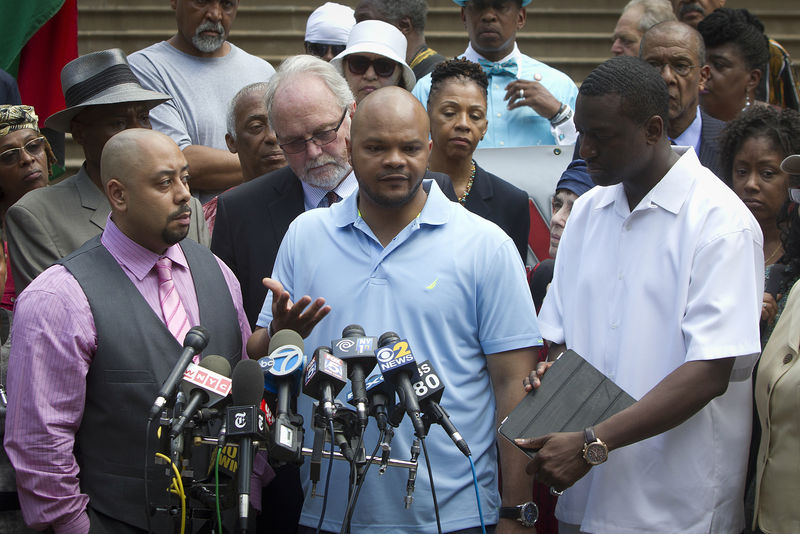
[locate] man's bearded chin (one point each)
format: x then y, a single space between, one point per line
209 43
329 177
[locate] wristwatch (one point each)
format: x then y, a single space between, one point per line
526 513
595 452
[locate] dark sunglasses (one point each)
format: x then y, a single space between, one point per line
382 66
320 49
34 147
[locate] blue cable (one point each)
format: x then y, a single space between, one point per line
477 493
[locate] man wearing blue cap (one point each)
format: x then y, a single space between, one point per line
529 103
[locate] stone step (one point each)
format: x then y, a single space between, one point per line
258 18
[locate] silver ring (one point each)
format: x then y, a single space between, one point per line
555 492
522 94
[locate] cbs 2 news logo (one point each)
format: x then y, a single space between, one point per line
399 354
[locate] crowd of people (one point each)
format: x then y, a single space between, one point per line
342 187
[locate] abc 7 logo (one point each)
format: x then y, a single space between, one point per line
345 344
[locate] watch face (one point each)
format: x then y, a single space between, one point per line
529 513
595 453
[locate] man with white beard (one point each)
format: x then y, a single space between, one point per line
202 72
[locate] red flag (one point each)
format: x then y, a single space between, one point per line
43 57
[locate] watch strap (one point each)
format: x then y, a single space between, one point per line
509 512
588 435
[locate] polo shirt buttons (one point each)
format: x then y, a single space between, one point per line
787 358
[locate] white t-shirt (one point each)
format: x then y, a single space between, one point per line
638 294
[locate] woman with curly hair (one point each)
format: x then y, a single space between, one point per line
457 112
752 148
737 52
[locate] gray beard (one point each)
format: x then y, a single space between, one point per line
329 179
208 44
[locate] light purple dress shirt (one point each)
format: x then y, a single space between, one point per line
54 340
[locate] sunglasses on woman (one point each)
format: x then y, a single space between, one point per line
320 49
382 66
34 147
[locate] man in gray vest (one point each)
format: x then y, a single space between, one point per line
97 334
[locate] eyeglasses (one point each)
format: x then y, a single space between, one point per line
320 138
320 49
681 69
34 147
382 66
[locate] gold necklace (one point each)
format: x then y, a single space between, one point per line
463 198
771 256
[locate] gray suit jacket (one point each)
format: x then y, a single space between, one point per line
48 223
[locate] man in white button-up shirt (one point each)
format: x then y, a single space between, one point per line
658 283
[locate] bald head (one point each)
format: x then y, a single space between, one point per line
390 106
126 153
674 31
145 177
389 148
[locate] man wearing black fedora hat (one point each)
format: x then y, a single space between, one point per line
103 97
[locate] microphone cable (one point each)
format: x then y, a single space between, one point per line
146 485
362 479
433 489
177 488
357 481
327 481
216 488
477 493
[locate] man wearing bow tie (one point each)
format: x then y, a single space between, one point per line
529 103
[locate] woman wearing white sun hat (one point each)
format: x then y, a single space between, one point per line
374 58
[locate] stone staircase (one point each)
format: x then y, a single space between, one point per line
572 36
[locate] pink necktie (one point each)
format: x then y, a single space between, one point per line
174 313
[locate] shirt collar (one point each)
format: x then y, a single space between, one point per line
669 193
691 135
312 195
134 257
435 212
473 56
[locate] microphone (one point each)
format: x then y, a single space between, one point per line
429 391
324 379
214 371
245 421
399 368
195 341
283 370
358 350
381 398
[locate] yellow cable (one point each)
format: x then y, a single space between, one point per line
176 481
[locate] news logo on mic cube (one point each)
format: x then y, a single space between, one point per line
395 356
246 421
354 346
333 366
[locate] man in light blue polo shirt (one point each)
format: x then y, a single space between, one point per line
530 103
398 256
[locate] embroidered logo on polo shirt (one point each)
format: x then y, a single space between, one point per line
432 284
